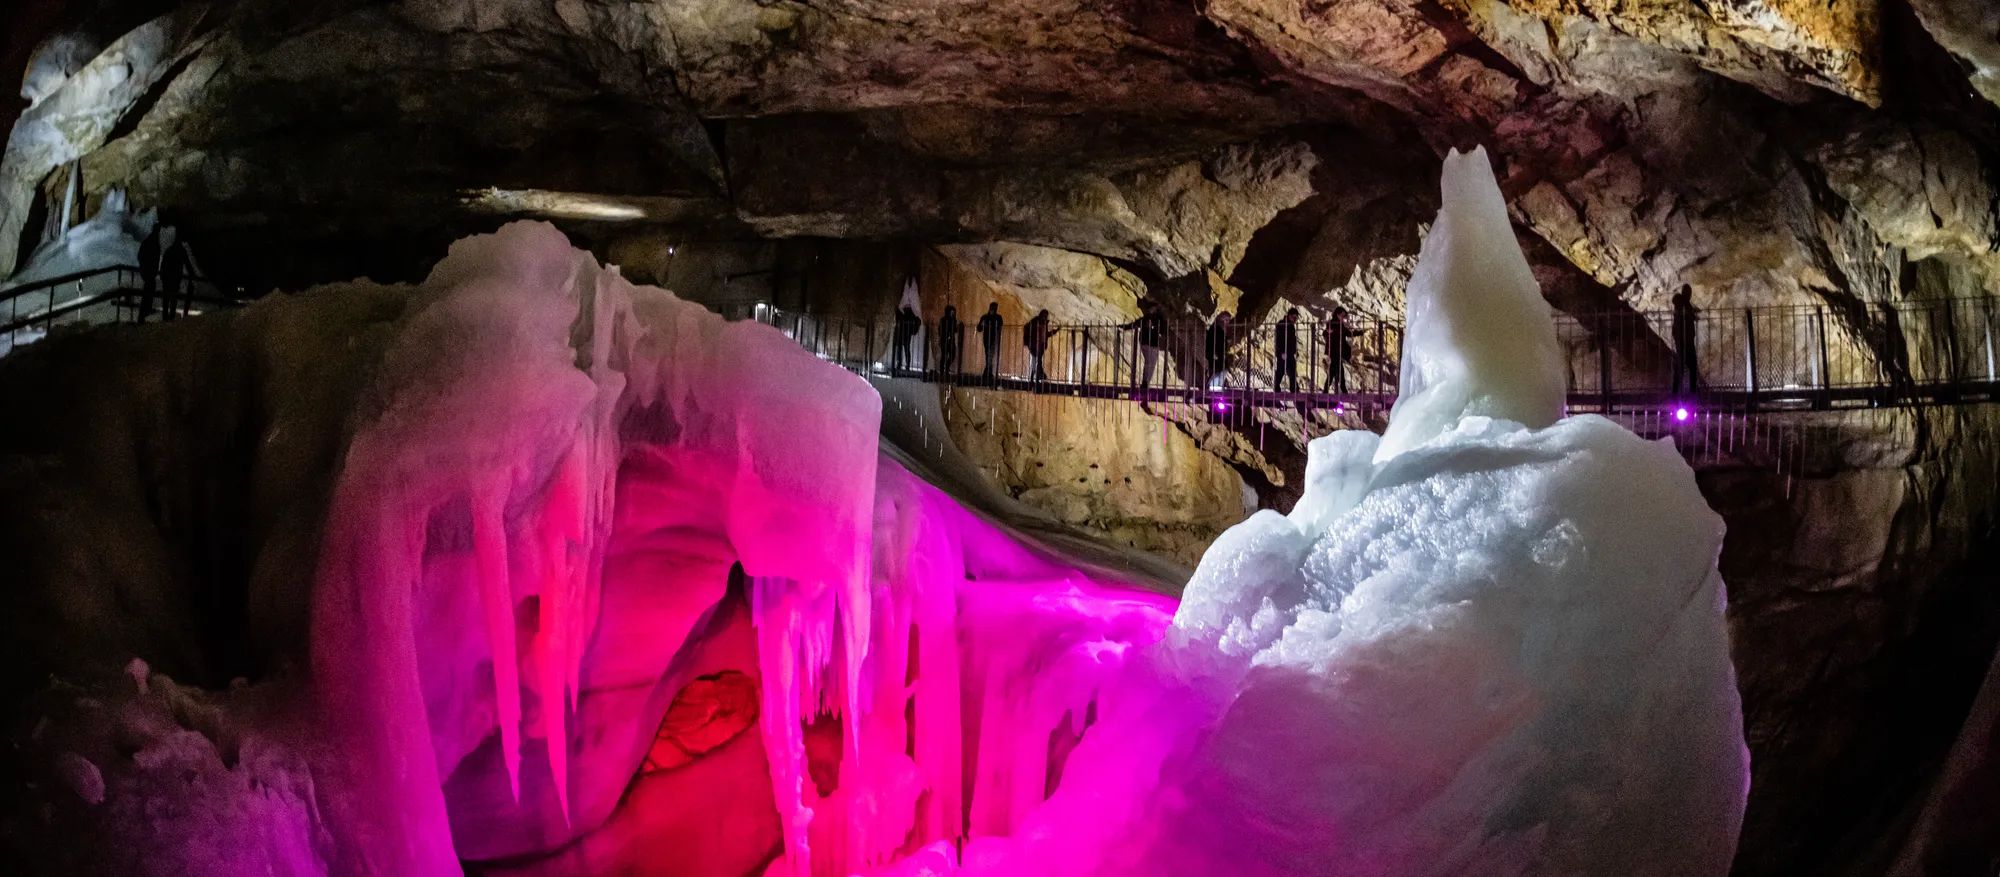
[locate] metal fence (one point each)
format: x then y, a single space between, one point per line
1786 356
1748 358
99 297
1354 360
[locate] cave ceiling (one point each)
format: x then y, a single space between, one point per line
1637 139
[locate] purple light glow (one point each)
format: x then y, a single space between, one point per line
1681 413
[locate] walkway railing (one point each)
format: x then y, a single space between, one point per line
1108 361
97 297
1747 360
1786 357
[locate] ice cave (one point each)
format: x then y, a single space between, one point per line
922 438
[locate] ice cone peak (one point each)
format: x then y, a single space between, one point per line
1478 338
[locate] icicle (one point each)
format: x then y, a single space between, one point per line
561 530
70 190
786 658
496 597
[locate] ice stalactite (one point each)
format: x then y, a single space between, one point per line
981 667
988 661
479 397
543 431
509 401
489 544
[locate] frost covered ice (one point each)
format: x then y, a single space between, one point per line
109 238
1490 642
483 495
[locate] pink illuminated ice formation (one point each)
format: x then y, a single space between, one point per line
546 509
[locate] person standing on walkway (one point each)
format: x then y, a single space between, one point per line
173 273
906 329
1218 348
1340 349
1285 349
1035 337
1685 349
948 340
149 270
989 338
1151 328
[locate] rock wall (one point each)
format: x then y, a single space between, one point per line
1863 616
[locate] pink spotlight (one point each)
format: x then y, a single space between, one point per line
1681 413
1221 406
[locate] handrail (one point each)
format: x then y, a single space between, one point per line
1936 350
38 285
41 305
115 296
45 283
71 306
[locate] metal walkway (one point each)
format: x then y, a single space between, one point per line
99 297
1750 364
1750 360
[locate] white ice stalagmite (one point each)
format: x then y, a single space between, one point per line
1478 339
1490 643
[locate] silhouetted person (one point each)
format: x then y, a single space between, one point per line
1340 335
1285 348
1151 329
1217 347
989 337
1685 347
173 274
907 325
1035 337
149 270
949 336
1895 356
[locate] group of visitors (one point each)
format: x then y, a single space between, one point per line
1150 334
951 337
1338 331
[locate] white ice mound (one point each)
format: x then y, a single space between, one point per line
1477 338
1498 649
1475 646
1509 657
